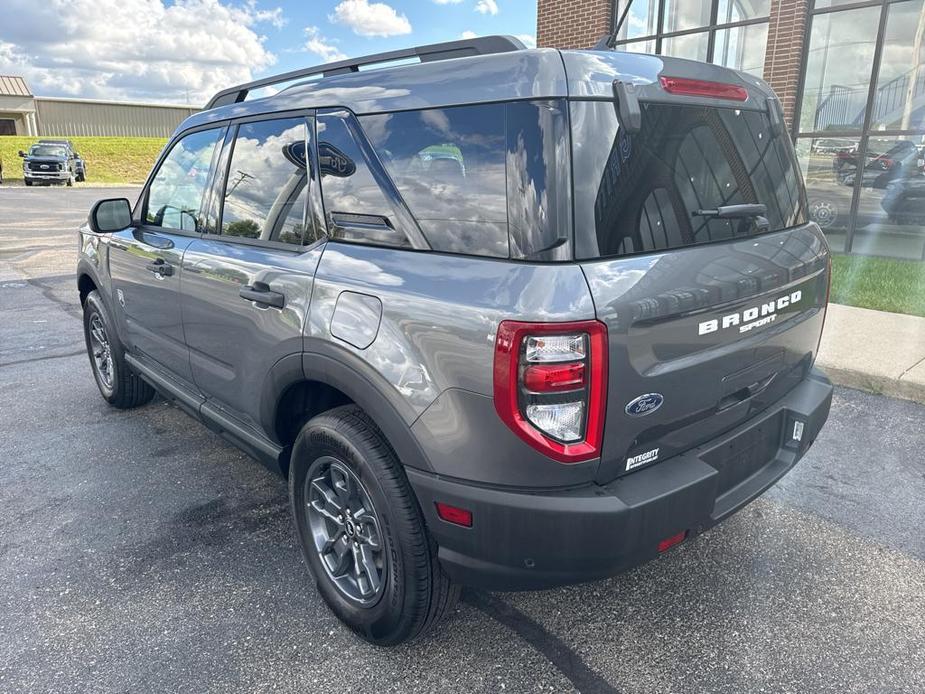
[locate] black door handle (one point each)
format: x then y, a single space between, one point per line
160 267
261 294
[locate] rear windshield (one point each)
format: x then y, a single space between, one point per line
653 190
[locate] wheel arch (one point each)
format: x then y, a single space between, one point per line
301 386
85 285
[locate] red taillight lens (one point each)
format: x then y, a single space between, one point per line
454 514
715 90
550 378
550 385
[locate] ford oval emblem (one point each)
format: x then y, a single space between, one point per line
644 404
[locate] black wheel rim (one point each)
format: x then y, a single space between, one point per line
100 350
345 530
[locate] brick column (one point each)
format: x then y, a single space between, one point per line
782 62
572 23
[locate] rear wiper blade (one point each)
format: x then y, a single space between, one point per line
734 211
755 211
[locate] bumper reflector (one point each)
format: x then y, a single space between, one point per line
454 514
670 542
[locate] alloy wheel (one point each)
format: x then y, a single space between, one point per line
101 351
345 529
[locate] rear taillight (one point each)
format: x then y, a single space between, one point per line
551 385
714 90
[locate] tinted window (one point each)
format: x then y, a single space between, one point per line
538 184
176 191
649 191
265 190
449 166
354 202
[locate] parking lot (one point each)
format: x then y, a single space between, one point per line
139 552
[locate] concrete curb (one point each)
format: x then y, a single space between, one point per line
875 351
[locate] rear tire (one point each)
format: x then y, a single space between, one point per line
119 385
411 593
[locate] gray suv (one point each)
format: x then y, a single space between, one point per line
504 318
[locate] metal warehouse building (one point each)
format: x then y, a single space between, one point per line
21 113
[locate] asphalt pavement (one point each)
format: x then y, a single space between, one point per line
141 553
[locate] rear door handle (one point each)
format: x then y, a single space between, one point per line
160 267
261 294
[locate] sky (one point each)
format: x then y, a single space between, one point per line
183 51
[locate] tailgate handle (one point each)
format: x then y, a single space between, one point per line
743 394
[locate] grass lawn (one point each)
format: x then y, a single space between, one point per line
883 284
109 159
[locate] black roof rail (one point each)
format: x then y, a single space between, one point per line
482 45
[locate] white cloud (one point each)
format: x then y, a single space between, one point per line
487 7
320 46
529 40
370 19
468 35
273 17
448 2
134 49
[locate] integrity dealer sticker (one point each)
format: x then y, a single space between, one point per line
642 459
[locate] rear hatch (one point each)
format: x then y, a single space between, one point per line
710 318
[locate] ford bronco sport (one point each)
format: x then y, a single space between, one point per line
504 318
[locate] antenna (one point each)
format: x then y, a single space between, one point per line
608 42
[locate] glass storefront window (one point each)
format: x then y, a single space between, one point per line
739 47
899 102
686 14
825 4
891 207
690 46
742 48
638 46
841 49
642 19
828 165
730 11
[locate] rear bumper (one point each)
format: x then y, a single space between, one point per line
532 540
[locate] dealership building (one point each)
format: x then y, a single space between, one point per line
22 113
850 77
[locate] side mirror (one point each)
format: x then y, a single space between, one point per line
110 215
21 153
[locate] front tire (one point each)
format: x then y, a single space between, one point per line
119 385
361 531
28 182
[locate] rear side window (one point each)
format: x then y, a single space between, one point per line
265 190
649 191
175 193
449 167
355 204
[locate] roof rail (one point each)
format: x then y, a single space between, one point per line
482 45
